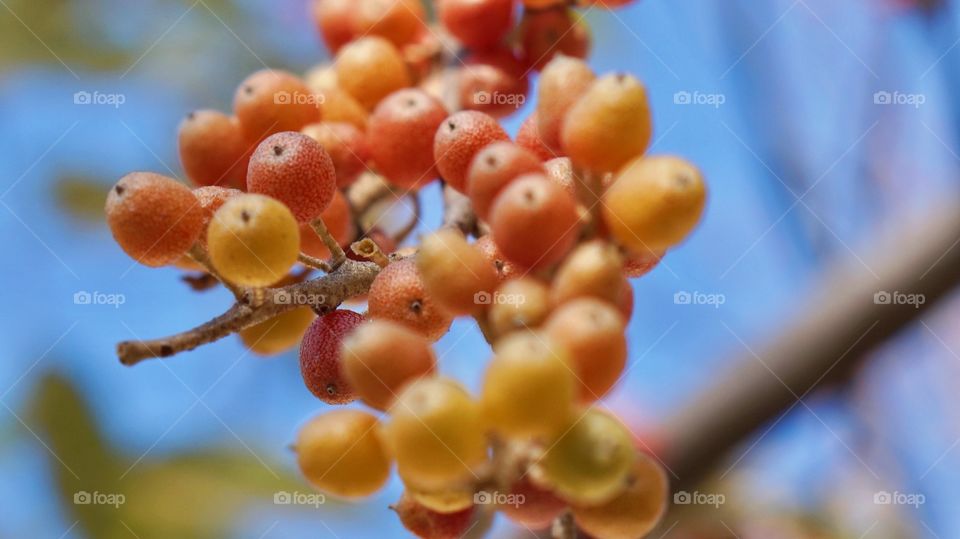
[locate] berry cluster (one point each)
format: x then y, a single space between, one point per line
564 215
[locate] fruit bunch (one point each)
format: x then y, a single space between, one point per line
563 216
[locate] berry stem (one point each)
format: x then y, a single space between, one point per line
458 211
314 262
589 190
337 256
199 254
369 250
323 294
563 527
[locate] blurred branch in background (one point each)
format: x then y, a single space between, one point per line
851 315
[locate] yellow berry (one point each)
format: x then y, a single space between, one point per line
342 453
654 203
253 240
278 334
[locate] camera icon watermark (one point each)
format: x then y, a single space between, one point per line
483 97
84 97
684 97
698 498
83 297
83 497
884 97
684 297
885 297
496 298
314 499
899 498
284 97
484 497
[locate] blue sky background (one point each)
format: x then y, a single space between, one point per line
797 80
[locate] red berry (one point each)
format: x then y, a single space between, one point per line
398 294
534 222
529 137
428 524
546 33
154 219
494 82
320 361
296 170
346 145
493 168
213 150
458 139
400 135
478 24
271 101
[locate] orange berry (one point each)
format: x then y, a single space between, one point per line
593 333
370 69
493 168
211 197
213 150
335 21
296 170
400 135
154 219
398 294
654 203
529 137
399 21
534 222
503 267
639 264
345 144
636 511
455 274
563 80
343 453
380 357
458 139
609 125
270 101
429 524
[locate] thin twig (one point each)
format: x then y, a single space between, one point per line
199 254
337 256
323 294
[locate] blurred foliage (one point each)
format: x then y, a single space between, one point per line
40 31
81 198
197 495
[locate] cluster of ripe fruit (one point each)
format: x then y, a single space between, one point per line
572 209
